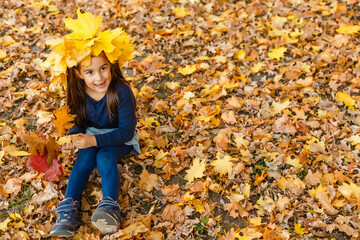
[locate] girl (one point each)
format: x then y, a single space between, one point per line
105 123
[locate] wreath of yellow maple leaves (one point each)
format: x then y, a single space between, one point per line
86 40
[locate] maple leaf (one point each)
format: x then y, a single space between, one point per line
103 42
39 163
85 27
278 107
63 120
171 212
149 122
188 69
148 181
299 229
196 170
223 164
42 146
277 53
257 67
181 12
348 29
346 99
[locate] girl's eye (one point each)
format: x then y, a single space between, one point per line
89 72
103 68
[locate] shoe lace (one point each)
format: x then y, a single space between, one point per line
108 203
65 212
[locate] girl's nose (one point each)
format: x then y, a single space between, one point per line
97 76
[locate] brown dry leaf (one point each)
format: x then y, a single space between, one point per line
229 117
13 186
171 212
148 181
312 179
325 203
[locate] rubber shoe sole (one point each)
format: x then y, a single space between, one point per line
104 221
62 233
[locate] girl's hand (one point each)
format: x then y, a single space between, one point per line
82 141
67 146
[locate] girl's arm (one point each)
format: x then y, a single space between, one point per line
126 120
76 130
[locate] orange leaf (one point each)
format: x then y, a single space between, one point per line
63 120
259 179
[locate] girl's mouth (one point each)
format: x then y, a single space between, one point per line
101 85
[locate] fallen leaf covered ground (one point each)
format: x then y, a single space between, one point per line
248 113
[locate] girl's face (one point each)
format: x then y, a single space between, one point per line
97 75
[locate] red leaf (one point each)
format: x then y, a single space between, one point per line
39 164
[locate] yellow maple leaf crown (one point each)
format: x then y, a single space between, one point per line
84 41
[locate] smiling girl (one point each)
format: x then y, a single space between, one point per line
105 122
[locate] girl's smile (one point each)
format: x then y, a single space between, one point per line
97 76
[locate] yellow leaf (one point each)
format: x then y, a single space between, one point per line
19 153
220 59
236 197
207 113
319 189
299 229
355 139
277 53
63 120
348 29
294 161
188 95
278 107
149 122
196 170
85 27
104 41
66 139
223 164
21 122
181 12
149 28
214 89
2 54
255 221
257 67
346 99
240 55
2 153
172 85
4 224
188 69
246 190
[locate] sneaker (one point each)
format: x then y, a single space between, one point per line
67 217
106 217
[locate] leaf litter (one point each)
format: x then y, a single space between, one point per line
248 113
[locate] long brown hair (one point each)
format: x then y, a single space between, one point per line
76 93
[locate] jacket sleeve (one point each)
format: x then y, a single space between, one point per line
126 120
75 130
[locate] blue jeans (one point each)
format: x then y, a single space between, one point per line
105 159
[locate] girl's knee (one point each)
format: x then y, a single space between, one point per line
105 162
